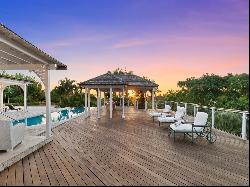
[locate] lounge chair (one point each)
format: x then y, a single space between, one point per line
11 107
200 128
170 119
167 109
166 112
158 114
10 136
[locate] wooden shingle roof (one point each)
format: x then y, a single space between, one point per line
119 79
104 79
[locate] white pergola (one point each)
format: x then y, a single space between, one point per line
4 82
18 54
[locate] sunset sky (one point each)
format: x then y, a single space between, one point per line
165 40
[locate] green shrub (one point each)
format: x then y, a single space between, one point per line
229 122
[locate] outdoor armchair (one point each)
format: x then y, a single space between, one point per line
200 128
170 119
10 136
158 114
167 109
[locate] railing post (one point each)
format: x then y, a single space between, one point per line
86 102
244 127
213 117
194 110
186 108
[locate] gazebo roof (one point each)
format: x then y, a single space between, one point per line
104 79
109 79
135 80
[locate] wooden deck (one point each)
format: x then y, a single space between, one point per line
134 151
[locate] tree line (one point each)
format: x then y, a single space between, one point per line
230 91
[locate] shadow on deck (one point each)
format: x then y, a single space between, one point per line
133 151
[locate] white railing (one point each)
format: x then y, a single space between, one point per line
192 109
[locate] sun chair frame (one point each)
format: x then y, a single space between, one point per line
205 133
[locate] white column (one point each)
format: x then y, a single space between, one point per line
120 99
48 103
104 102
1 98
244 127
86 102
100 100
123 115
89 102
213 117
146 103
153 99
25 97
98 103
110 102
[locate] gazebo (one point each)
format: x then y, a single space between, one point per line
17 53
4 82
112 82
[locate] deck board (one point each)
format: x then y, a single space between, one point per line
130 151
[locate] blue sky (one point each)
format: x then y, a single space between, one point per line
166 40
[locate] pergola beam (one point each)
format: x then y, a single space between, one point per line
21 49
5 66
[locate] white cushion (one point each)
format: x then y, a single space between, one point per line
166 119
179 114
186 127
181 109
200 119
10 135
167 107
155 114
166 110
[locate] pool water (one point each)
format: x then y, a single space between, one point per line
55 117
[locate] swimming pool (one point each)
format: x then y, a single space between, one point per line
58 116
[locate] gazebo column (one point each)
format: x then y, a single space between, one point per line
89 102
120 99
153 99
110 102
25 97
146 103
48 103
98 103
1 97
104 102
86 102
123 115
